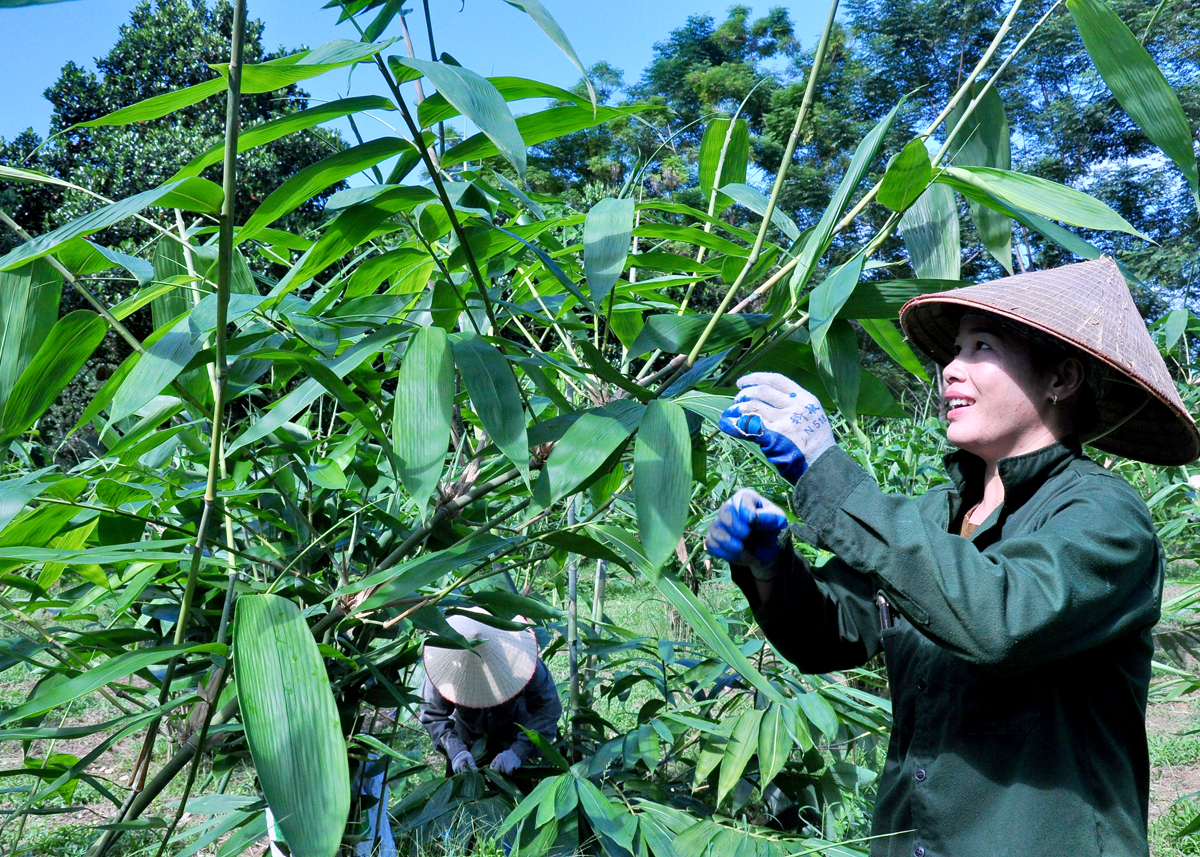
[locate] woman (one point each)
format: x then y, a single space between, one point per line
477 701
1014 604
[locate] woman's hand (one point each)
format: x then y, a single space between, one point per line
506 762
783 418
746 531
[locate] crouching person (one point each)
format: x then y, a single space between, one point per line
488 693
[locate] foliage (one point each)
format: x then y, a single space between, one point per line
453 393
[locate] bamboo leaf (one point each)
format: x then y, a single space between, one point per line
542 17
745 195
931 233
774 741
662 479
191 194
1137 83
743 741
268 132
588 443
733 169
475 97
83 257
907 177
313 179
676 334
29 300
884 298
98 676
62 354
840 366
888 338
164 359
828 298
406 578
603 816
159 105
495 396
423 404
435 108
292 726
606 235
1039 196
984 141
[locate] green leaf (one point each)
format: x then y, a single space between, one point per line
605 819
774 741
1174 327
884 298
605 371
495 396
311 389
1036 195
745 195
1137 83
890 339
676 334
98 676
983 141
16 493
907 177
662 479
479 101
828 298
191 194
313 179
735 140
62 354
691 235
435 108
164 359
160 105
606 235
743 741
931 233
267 132
83 257
537 128
292 726
424 402
588 443
284 71
534 9
406 578
818 239
840 366
28 309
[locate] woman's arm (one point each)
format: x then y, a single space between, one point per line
436 714
1087 573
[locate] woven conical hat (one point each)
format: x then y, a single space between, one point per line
1087 305
501 665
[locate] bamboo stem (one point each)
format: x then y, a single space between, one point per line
818 60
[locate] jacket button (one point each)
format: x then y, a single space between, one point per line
919 851
921 685
920 775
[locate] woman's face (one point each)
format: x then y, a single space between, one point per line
997 403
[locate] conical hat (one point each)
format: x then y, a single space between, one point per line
501 665
1086 305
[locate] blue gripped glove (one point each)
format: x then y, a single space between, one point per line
783 418
746 531
463 761
506 762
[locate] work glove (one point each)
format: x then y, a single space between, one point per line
463 761
506 762
783 418
746 531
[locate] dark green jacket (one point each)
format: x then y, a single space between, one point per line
1019 665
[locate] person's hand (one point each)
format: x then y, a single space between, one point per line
506 762
746 532
463 761
783 418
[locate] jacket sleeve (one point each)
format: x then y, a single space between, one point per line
818 625
436 714
1086 575
542 711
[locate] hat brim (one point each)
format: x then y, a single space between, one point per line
1136 421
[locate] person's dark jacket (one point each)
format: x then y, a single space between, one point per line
455 728
1019 664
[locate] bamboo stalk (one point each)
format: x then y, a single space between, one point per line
805 104
573 636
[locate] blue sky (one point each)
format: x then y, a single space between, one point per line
488 36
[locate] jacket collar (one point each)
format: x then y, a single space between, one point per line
1021 474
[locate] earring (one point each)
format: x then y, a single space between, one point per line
1054 400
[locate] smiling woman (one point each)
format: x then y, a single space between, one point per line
1013 605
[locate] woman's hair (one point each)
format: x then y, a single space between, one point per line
1046 352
